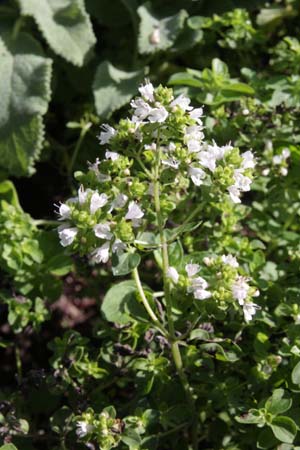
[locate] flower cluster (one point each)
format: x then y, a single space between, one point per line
174 129
95 214
278 163
226 280
102 427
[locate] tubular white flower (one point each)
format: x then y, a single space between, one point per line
173 274
67 235
83 428
230 260
158 115
248 160
201 294
240 289
196 114
119 202
102 231
142 109
183 102
107 133
101 254
111 155
241 182
82 195
64 211
97 201
234 194
134 211
147 91
192 269
249 310
207 160
171 163
197 175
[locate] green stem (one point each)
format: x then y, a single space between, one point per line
51 223
83 132
18 364
146 304
172 337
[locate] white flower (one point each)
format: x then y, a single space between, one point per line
158 114
265 172
198 283
283 171
277 159
118 246
83 428
171 163
119 201
64 211
208 261
230 260
173 274
67 235
107 133
197 175
183 102
82 195
196 114
147 91
201 294
152 146
286 153
134 211
97 201
192 269
218 152
101 254
234 194
240 289
111 155
249 309
193 138
94 166
208 160
248 160
241 182
142 109
102 231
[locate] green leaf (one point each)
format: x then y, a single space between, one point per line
158 33
251 417
131 438
276 404
296 374
59 265
284 429
125 263
113 88
266 439
121 305
8 193
186 79
25 93
65 26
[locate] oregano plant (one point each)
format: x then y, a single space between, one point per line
137 206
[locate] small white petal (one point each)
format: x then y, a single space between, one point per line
201 294
158 115
134 211
240 289
101 254
107 133
111 155
192 269
67 235
171 163
118 247
234 194
64 211
230 260
97 201
248 160
173 274
102 231
197 175
147 91
183 102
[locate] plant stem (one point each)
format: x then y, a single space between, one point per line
172 337
146 304
51 223
83 132
18 364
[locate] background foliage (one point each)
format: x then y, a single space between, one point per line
68 65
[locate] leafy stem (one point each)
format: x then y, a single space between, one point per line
172 337
146 304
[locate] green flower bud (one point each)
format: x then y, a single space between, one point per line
124 231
